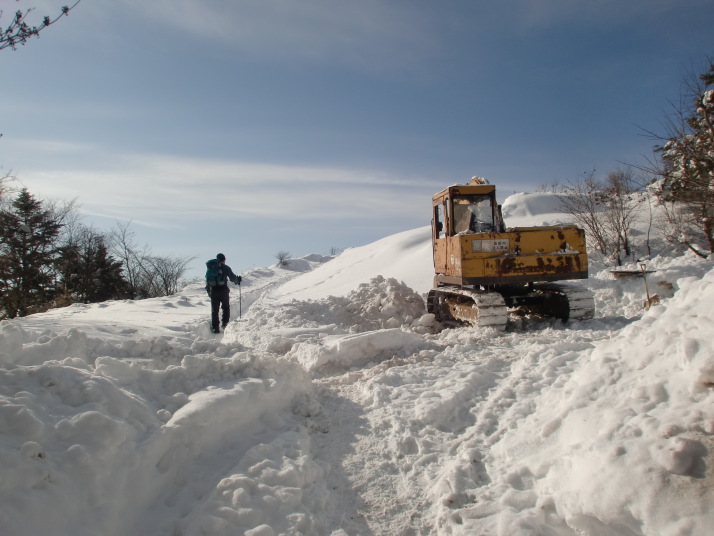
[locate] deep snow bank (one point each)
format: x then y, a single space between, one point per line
103 446
616 440
642 400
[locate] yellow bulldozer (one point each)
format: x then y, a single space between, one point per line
483 270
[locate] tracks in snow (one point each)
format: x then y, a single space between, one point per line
409 440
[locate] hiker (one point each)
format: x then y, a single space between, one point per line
217 276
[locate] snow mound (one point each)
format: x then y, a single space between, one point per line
527 210
20 347
381 303
313 332
404 256
345 351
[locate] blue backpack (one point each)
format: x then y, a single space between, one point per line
214 274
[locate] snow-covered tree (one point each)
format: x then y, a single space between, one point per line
686 169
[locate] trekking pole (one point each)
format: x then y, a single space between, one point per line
240 302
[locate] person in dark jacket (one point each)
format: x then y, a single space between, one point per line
220 295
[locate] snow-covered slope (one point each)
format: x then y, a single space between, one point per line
333 405
405 256
523 210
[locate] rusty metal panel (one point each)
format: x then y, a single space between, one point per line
545 253
536 265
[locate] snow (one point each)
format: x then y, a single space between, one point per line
530 209
335 406
405 256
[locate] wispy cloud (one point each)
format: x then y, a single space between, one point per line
545 13
368 33
171 192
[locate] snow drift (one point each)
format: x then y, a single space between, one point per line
334 405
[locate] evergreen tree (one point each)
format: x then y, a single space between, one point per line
88 273
109 282
28 251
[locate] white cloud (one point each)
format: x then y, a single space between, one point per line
170 192
368 33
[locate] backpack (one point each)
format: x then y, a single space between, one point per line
214 274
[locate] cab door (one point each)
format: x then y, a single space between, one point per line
439 230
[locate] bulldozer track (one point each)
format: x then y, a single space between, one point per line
456 306
463 306
577 301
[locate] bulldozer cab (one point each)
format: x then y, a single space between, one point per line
474 213
463 210
467 209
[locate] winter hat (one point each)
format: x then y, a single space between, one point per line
221 257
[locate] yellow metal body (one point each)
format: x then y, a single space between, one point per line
473 247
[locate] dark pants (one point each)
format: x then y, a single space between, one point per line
220 297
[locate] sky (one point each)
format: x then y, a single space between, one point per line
251 128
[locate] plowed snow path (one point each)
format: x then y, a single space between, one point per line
409 440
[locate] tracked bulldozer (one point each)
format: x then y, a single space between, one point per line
484 270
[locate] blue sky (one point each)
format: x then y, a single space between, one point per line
250 127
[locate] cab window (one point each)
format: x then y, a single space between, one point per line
439 221
473 214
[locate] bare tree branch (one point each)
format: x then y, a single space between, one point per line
19 31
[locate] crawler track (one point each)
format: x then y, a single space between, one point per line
475 308
457 306
568 301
